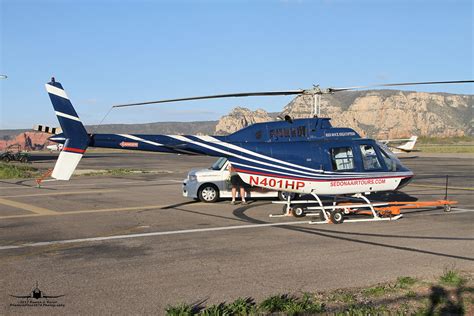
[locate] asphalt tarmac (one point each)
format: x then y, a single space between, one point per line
132 244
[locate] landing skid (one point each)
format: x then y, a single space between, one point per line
336 212
333 213
375 219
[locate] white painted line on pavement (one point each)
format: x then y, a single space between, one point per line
461 210
174 232
441 212
93 184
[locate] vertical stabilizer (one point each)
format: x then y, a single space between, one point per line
409 145
76 135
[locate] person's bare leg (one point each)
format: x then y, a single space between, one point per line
234 193
242 194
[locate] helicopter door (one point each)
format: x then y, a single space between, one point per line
370 158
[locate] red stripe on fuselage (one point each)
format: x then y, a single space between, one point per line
74 150
310 179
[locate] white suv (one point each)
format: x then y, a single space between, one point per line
209 185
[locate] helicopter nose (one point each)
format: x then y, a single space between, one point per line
405 181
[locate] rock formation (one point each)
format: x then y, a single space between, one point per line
378 113
27 141
239 118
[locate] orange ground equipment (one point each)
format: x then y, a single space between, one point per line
44 176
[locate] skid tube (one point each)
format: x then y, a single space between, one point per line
383 211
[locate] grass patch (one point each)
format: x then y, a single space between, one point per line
216 310
445 140
447 149
411 294
378 290
179 310
405 282
115 172
452 278
364 309
12 171
343 297
242 307
291 305
274 303
405 296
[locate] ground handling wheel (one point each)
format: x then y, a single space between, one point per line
447 208
299 211
337 217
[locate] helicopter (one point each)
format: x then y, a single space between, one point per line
305 156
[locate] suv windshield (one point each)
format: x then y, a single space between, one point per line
219 163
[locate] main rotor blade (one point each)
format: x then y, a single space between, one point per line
229 95
398 84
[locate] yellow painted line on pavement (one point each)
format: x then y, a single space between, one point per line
440 187
135 208
59 193
119 209
28 207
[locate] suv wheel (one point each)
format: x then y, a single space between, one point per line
208 193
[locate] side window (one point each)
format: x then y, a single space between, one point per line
342 158
369 157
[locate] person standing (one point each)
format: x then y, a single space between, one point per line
236 183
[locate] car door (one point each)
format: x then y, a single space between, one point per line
224 177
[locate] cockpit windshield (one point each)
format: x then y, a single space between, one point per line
392 162
219 164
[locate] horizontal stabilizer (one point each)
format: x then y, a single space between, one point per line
66 164
47 129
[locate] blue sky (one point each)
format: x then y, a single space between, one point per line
106 52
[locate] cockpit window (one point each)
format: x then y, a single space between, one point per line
369 157
325 124
342 158
391 165
219 163
392 162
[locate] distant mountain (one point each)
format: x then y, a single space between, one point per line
177 128
30 140
374 113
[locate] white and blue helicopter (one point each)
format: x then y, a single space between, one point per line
304 156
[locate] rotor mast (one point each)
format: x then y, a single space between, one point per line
316 92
